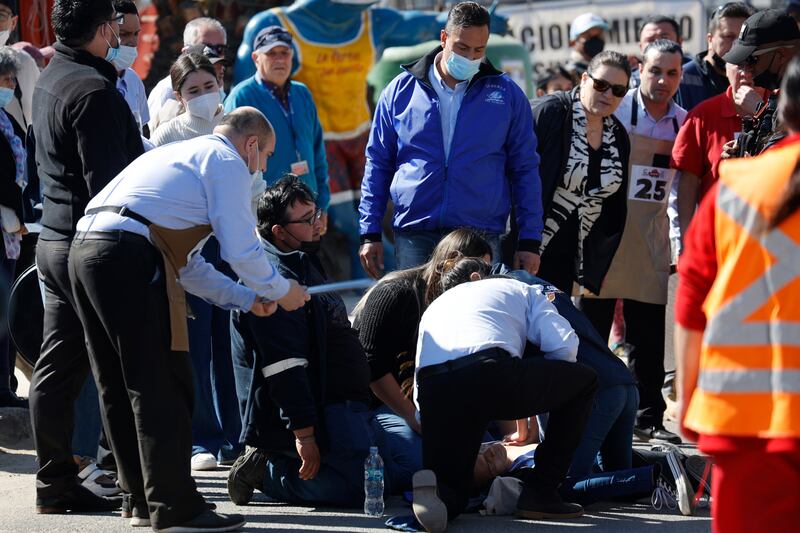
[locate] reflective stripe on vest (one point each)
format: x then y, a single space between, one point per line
729 326
749 376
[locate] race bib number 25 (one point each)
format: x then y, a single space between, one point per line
650 184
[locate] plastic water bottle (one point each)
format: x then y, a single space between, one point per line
373 483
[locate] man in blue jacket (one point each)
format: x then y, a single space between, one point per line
451 144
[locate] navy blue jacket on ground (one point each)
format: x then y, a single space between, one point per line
492 158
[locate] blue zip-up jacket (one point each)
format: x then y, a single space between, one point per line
492 159
303 135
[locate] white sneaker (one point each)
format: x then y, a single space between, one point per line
685 493
204 461
97 480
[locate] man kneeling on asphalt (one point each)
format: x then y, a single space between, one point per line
309 389
470 371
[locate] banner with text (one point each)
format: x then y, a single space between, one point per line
543 27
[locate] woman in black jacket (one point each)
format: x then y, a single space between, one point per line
12 182
584 154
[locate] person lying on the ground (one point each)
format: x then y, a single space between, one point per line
308 417
470 371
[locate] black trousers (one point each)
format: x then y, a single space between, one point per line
456 407
644 330
58 376
146 390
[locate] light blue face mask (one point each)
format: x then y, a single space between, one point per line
462 68
112 53
6 95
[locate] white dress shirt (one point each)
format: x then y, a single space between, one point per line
191 183
663 129
449 102
132 89
159 95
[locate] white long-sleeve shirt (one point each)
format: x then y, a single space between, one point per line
493 313
191 183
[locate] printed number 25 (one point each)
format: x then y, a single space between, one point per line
651 189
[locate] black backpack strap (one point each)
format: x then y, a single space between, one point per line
121 211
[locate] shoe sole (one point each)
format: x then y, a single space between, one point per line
537 515
429 510
204 466
239 492
195 529
685 491
139 522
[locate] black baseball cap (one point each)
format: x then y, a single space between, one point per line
204 50
770 26
270 37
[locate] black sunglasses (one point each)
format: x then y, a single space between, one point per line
602 86
219 49
310 220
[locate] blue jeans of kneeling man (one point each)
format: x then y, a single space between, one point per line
401 445
340 480
413 248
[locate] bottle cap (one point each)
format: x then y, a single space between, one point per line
373 449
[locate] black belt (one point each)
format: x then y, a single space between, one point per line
112 235
122 211
489 354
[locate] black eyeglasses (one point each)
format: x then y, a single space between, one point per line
219 49
602 86
310 220
119 18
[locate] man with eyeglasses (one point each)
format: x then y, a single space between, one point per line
307 387
200 31
704 76
85 134
289 106
767 43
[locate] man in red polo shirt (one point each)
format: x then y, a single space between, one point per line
699 144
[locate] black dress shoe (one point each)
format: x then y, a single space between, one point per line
77 499
538 503
135 508
10 399
656 434
246 475
208 521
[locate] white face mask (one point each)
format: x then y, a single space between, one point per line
4 35
204 106
125 57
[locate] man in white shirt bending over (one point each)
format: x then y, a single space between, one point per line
470 371
139 239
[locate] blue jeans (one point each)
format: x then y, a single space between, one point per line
607 439
629 484
340 480
401 444
413 248
87 421
216 421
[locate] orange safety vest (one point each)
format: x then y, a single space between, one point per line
749 380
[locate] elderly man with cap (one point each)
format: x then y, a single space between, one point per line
133 255
289 106
587 38
767 42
